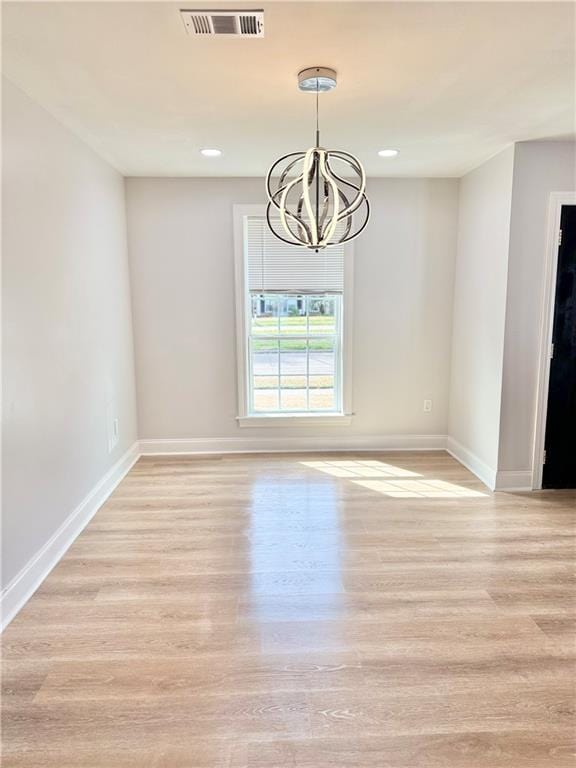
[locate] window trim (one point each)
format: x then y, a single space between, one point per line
246 419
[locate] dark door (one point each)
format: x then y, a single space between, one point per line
560 442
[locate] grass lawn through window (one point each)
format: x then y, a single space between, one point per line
293 348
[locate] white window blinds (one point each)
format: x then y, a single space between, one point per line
276 267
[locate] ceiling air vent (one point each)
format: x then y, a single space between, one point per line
231 23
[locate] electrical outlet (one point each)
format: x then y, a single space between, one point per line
114 435
427 406
112 426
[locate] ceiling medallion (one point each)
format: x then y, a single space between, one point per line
317 205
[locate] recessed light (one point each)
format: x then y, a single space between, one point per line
388 152
211 152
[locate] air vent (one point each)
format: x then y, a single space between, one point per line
230 23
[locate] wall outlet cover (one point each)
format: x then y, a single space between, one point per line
112 426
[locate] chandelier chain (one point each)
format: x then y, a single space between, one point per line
317 112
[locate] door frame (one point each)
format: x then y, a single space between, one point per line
548 302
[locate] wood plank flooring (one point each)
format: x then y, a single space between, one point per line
302 611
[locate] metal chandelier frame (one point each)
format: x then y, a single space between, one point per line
311 219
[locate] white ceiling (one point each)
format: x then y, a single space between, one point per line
447 83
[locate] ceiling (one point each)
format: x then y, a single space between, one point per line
447 83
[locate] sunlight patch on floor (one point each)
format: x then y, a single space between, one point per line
394 483
359 469
414 489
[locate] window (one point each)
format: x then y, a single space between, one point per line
294 353
293 326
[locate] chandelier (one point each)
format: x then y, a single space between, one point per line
317 198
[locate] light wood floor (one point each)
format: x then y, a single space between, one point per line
302 612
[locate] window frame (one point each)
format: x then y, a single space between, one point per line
243 319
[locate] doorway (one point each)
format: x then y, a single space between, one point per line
559 469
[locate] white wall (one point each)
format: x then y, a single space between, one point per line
540 167
479 309
66 325
182 257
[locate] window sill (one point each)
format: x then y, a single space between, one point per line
297 420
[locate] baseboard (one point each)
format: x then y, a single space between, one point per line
511 480
219 445
472 462
25 583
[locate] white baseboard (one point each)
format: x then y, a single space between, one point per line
25 583
510 480
253 444
472 462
